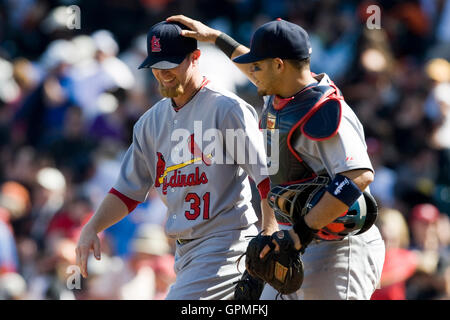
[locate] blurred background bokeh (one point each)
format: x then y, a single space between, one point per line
69 99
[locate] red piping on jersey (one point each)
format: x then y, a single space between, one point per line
334 96
307 115
264 188
279 103
204 83
334 132
130 203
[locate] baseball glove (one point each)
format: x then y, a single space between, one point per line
283 269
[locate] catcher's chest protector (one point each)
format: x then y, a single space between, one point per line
315 111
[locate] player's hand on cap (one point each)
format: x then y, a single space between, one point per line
199 31
88 240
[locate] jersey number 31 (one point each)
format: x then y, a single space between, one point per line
195 202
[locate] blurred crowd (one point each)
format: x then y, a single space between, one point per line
69 99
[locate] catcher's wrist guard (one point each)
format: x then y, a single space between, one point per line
227 44
344 189
304 232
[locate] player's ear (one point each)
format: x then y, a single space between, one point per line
195 55
278 64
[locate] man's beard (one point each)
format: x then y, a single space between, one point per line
262 92
171 92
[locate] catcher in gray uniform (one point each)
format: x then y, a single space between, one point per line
320 193
181 147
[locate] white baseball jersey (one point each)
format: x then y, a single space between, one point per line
201 180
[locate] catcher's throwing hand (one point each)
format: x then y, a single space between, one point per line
199 31
296 244
282 268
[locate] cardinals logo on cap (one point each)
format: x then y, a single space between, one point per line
156 46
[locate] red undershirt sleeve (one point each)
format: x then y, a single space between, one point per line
130 203
264 188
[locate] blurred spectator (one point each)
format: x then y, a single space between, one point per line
444 278
133 57
66 223
14 204
443 22
48 278
48 199
431 251
423 223
12 286
8 252
383 186
105 167
72 149
104 279
152 211
146 275
98 71
437 108
109 124
43 110
151 251
216 66
334 40
15 198
400 263
9 89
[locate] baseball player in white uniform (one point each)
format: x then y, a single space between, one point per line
182 147
319 135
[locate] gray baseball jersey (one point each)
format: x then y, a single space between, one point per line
351 268
345 151
201 180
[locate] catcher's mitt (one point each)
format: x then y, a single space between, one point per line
283 269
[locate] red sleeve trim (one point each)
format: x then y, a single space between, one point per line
130 203
264 188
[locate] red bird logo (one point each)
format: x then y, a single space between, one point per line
156 46
160 168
